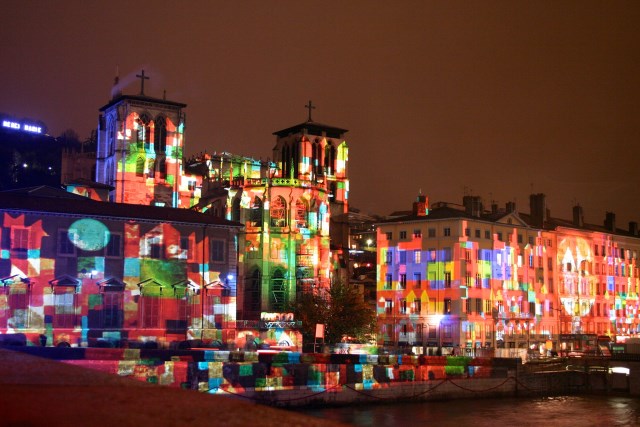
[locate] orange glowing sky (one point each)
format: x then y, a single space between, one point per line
497 98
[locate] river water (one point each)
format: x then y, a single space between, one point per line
579 411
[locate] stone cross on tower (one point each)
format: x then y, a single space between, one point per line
142 78
309 107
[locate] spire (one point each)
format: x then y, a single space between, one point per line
115 90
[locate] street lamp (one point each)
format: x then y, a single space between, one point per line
438 319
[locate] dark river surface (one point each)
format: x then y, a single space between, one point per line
505 412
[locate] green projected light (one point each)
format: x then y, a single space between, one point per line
89 234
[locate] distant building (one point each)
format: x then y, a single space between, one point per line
28 155
460 275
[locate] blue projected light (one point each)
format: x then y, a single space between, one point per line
89 234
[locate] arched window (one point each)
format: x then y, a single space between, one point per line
152 168
316 165
278 212
256 212
160 135
140 166
301 213
144 131
162 167
329 158
278 291
252 294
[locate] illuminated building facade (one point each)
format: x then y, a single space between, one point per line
290 242
140 150
457 275
75 271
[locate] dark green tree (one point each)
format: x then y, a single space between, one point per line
341 309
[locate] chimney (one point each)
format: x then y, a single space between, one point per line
633 228
538 210
610 222
494 208
421 206
578 216
511 207
472 205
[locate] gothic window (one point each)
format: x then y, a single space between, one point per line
278 291
152 168
278 212
316 166
256 212
140 166
160 135
301 214
144 131
329 158
162 167
252 294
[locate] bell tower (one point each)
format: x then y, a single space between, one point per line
140 146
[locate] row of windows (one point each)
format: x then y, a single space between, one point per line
446 232
524 309
277 212
158 167
599 250
17 240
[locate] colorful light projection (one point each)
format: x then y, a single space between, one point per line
577 292
501 292
83 281
88 234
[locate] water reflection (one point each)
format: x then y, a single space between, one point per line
550 411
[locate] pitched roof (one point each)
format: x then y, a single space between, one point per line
313 128
53 200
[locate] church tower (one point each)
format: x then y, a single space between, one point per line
140 145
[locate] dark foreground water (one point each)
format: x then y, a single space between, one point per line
549 411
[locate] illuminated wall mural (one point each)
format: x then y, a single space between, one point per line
84 273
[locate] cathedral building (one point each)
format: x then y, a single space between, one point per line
290 243
293 239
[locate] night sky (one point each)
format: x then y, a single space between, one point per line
496 99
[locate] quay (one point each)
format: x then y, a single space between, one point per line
290 379
38 392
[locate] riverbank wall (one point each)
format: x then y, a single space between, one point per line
289 379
